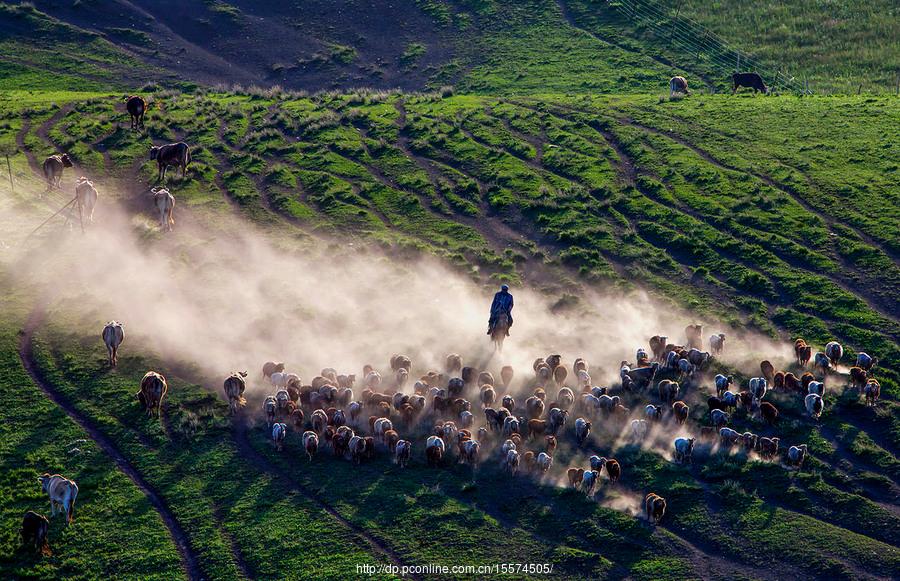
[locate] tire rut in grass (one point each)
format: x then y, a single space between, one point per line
189 558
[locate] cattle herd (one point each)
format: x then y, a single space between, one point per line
522 436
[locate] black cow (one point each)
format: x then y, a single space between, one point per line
751 80
34 531
177 154
136 107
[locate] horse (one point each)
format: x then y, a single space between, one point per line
500 331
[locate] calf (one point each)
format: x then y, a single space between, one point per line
34 531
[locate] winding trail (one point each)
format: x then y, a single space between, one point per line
189 558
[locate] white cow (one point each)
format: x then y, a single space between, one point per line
85 199
684 449
62 493
639 429
165 205
814 405
113 335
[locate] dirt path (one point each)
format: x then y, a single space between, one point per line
241 436
189 559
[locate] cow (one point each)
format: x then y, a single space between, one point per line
653 413
681 411
822 363
805 380
34 532
153 390
685 369
270 406
654 507
678 85
803 352
749 80
164 202
62 493
556 419
858 377
452 364
668 390
278 433
643 376
613 470
113 335
639 429
768 412
136 107
402 452
796 455
728 437
310 443
234 386
506 376
758 387
508 403
271 367
575 476
544 461
534 408
357 449
694 336
512 461
717 343
469 452
791 383
723 383
684 449
817 387
488 395
589 479
85 200
768 370
751 441
768 447
698 359
730 400
714 403
814 405
834 351
53 169
865 361
658 346
582 430
718 418
174 154
565 397
872 391
434 450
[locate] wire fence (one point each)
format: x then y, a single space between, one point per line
689 37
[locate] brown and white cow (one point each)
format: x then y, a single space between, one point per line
62 493
234 390
164 202
153 390
113 336
53 168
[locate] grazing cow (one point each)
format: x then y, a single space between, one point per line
678 85
872 391
582 430
803 352
639 429
684 449
681 411
62 493
718 418
113 335
136 107
654 507
796 455
234 390
728 437
822 363
668 390
544 461
817 387
402 452
717 343
694 335
153 390
512 461
174 154
653 413
310 443
768 447
834 351
768 370
865 361
589 479
749 80
858 377
730 400
34 532
164 202
85 200
278 433
723 383
751 441
53 168
575 476
434 450
768 412
814 405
